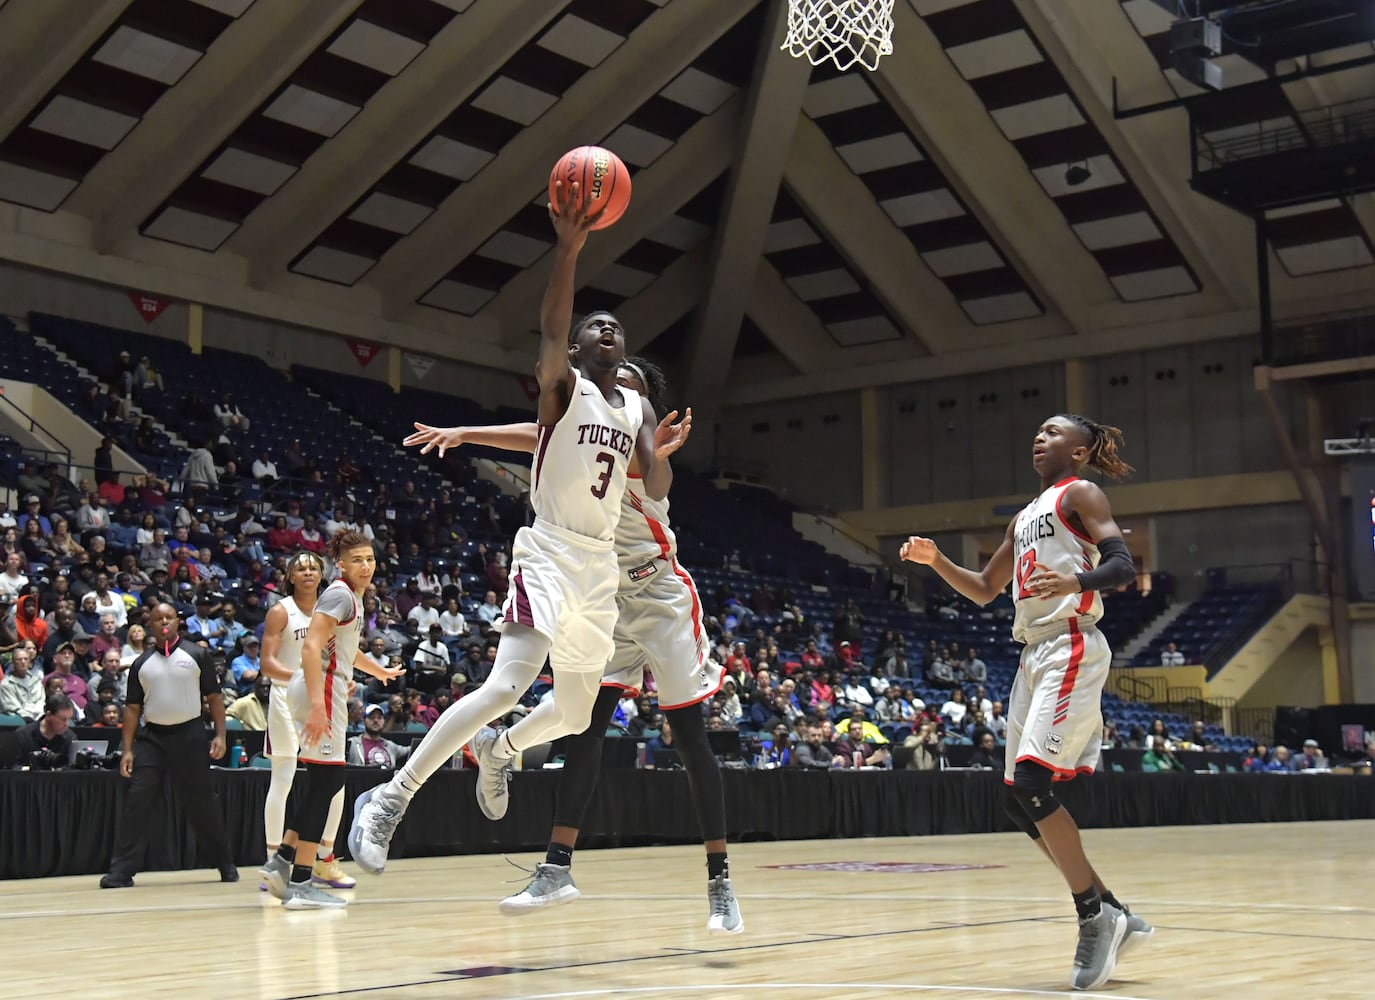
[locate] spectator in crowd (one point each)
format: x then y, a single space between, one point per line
731 710
972 669
371 748
28 623
1158 728
927 748
106 638
853 751
93 516
110 671
813 754
664 741
1310 759
1279 761
73 686
955 709
1160 758
229 415
199 472
252 710
21 690
939 670
778 751
48 732
1170 656
1258 759
244 669
432 661
997 721
264 469
985 755
13 581
426 615
1198 738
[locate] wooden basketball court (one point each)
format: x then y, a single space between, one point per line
1275 911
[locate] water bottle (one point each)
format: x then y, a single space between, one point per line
859 759
237 755
640 755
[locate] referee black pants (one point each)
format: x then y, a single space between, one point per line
181 752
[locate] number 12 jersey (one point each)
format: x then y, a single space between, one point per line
1042 534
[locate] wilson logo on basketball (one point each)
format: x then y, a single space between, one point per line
601 166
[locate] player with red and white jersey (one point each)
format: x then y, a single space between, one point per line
1060 551
659 628
318 697
561 605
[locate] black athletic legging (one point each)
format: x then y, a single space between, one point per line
582 764
307 807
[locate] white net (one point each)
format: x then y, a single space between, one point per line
847 32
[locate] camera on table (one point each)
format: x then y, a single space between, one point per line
90 759
44 759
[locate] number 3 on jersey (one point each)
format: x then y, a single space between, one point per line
1025 566
604 480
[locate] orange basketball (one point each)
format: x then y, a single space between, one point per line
602 179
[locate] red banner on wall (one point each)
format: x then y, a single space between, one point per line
363 351
530 384
150 307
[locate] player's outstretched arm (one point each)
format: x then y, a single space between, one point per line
363 662
554 371
658 475
981 587
510 437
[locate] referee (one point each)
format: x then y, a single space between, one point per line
165 686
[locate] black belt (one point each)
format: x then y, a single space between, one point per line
157 727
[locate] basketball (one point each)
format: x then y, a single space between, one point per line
600 176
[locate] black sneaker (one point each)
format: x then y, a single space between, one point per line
229 873
116 882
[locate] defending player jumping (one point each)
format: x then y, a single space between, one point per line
1059 553
562 599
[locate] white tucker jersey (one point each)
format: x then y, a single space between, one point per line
643 535
293 635
1041 534
581 462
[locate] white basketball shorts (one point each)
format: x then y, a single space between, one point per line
660 627
281 727
563 585
1055 713
330 749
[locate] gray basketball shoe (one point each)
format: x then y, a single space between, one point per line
552 884
376 814
494 774
275 874
309 896
1096 955
725 911
1138 932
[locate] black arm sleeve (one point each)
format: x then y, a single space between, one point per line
135 693
1115 567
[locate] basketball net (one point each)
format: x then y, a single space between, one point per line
847 32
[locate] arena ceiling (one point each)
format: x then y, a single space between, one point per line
383 163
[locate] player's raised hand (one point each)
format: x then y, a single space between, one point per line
1046 582
919 550
669 437
568 212
430 438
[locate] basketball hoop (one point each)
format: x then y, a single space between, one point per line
844 31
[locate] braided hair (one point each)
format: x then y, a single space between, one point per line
654 379
1103 442
301 556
